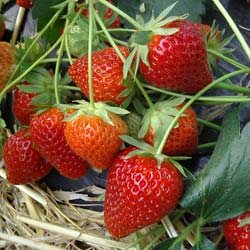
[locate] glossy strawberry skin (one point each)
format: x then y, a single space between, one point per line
47 132
138 193
178 62
107 74
23 163
233 232
25 3
94 139
182 140
243 243
206 28
22 107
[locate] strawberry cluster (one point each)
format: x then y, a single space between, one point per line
99 115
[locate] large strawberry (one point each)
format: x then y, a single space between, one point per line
139 193
243 243
25 3
183 138
178 61
47 132
94 135
233 232
23 163
22 107
6 63
107 74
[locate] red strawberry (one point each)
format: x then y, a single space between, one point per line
22 107
25 3
108 14
139 193
23 163
179 61
2 26
6 63
183 139
207 29
107 74
243 244
233 232
47 132
94 139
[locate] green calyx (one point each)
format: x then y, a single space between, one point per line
101 109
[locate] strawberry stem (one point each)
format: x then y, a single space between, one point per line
209 124
122 14
234 27
192 100
206 145
91 19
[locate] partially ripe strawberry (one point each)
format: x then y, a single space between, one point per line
23 163
179 61
47 132
94 139
25 3
107 74
233 232
22 107
139 193
6 63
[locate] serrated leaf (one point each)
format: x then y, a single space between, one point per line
32 89
221 190
128 63
41 99
139 144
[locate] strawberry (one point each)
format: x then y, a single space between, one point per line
243 244
108 16
6 63
107 70
22 107
23 163
183 139
139 193
25 3
95 139
177 62
233 232
2 27
47 132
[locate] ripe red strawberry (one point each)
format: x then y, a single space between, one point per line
243 244
183 139
47 132
25 3
107 15
23 163
107 74
94 139
6 63
139 193
22 107
207 29
178 61
233 232
2 26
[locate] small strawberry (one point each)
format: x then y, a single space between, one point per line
133 121
7 62
47 132
139 193
23 163
22 107
25 3
95 138
183 139
107 75
178 61
233 232
2 27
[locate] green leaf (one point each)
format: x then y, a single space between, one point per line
204 244
195 8
222 190
128 63
170 244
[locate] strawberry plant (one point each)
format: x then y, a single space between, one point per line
126 93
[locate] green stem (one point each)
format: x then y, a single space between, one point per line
70 88
227 59
37 38
206 145
52 60
232 87
137 242
113 44
209 124
91 93
122 14
117 30
233 27
192 100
